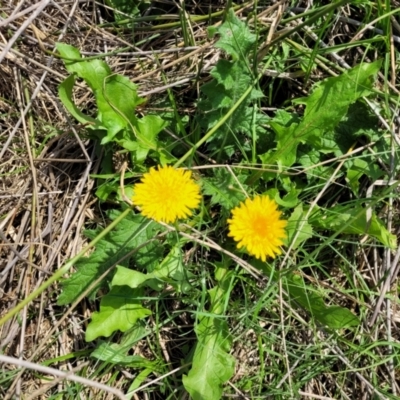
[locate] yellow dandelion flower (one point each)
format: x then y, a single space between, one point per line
167 194
256 225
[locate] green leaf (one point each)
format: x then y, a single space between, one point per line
254 122
65 93
126 8
117 102
231 80
212 364
320 117
116 354
285 118
148 128
132 232
359 168
341 91
359 121
165 156
224 188
171 270
139 380
105 189
286 145
334 317
120 309
143 138
295 220
352 220
125 276
93 72
288 201
70 54
236 39
308 158
116 96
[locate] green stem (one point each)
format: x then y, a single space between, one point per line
215 128
308 21
169 25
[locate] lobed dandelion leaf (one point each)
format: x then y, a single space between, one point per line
120 246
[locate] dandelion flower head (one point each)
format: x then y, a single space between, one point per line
166 194
256 225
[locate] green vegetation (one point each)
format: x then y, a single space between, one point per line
180 306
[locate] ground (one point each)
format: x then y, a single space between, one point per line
55 197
